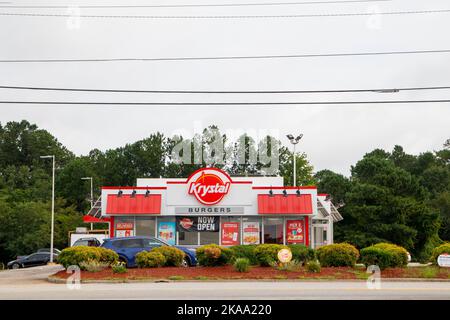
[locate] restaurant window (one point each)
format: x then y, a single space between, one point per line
273 230
251 230
145 226
209 237
187 238
124 227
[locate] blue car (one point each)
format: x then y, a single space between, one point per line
128 247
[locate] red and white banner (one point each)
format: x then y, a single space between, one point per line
230 233
295 231
250 233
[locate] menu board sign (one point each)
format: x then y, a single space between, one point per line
230 233
250 232
166 232
295 231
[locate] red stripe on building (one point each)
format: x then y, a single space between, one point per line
139 204
91 219
280 204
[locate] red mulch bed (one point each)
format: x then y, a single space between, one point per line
227 272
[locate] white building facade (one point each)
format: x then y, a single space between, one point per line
212 207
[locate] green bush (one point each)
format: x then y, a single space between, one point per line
384 255
313 266
119 267
302 253
174 256
266 254
443 248
242 264
76 255
152 259
400 253
213 255
292 265
338 255
245 251
93 265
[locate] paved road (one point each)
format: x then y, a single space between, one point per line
31 284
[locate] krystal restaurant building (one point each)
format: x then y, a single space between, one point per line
212 207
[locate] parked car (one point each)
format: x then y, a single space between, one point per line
88 241
128 247
33 260
42 250
55 251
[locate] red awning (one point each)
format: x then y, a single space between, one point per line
280 204
139 204
91 219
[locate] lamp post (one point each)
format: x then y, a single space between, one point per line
92 193
294 141
53 205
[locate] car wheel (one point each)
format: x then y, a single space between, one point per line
15 266
185 263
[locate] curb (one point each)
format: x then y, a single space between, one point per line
57 280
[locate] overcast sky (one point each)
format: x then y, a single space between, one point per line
335 137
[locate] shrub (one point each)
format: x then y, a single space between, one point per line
174 257
313 266
119 267
443 248
400 253
152 259
384 255
292 265
338 255
76 255
302 253
266 254
242 264
244 251
93 265
213 255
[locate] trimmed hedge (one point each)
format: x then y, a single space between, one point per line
244 251
174 256
338 255
213 255
76 255
150 259
267 254
302 253
443 248
385 255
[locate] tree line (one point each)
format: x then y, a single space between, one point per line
390 196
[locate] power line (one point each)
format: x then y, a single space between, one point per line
224 17
313 55
191 5
377 90
223 103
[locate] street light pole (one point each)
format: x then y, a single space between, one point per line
92 193
53 205
294 141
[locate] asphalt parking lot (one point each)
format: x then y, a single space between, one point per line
32 284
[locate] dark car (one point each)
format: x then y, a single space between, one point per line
128 247
55 251
33 260
89 241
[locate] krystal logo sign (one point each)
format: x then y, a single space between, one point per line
209 185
